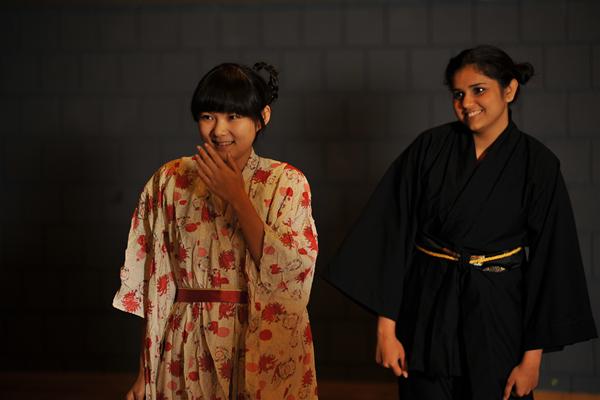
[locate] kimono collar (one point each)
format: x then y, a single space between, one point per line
499 139
502 136
251 166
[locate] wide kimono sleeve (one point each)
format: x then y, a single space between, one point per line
290 246
147 288
557 308
279 351
371 263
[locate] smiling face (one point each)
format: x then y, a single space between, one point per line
230 133
480 102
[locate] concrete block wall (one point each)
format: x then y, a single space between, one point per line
93 99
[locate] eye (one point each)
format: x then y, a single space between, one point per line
205 117
457 95
477 90
235 116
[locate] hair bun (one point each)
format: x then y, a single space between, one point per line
273 82
524 72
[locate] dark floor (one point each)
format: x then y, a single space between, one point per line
77 386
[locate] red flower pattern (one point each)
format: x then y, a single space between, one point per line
217 280
226 310
191 227
288 239
213 326
227 259
130 302
308 335
266 363
261 176
162 284
170 212
272 311
206 362
308 378
175 322
305 202
225 369
182 181
182 254
310 236
275 269
301 277
175 368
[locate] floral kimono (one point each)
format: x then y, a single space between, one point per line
182 236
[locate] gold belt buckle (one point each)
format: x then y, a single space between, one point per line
477 261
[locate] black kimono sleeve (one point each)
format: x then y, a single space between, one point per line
557 306
370 265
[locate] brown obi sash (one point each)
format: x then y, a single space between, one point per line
211 295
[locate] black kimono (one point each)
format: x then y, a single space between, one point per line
454 320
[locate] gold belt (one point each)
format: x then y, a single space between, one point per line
473 260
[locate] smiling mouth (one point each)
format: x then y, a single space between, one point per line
223 143
472 114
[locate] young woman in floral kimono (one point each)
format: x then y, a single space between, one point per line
220 258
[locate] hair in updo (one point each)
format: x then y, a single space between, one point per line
236 88
492 62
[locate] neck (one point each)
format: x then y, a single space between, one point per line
243 160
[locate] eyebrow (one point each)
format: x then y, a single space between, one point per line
471 86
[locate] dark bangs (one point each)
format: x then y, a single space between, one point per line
229 88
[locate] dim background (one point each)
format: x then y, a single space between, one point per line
94 97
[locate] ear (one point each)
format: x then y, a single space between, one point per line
511 90
266 114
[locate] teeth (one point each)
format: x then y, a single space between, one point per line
222 143
474 113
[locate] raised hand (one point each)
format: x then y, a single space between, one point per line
222 177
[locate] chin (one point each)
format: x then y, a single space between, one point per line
469 124
475 126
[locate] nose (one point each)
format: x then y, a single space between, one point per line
467 101
220 127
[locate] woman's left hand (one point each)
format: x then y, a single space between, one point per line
222 178
523 378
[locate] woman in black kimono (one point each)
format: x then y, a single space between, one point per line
467 250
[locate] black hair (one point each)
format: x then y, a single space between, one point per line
236 88
492 62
